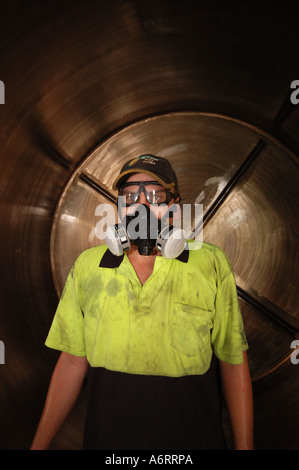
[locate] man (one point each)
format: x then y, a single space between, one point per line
152 324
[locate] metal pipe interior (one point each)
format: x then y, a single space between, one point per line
84 86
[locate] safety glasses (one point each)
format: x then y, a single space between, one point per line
153 191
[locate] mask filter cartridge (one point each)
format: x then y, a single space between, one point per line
171 242
117 239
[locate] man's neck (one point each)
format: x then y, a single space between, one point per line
143 265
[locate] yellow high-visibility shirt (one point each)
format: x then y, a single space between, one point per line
170 326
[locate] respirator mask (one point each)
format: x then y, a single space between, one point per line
142 226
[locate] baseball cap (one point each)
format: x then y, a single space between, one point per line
157 167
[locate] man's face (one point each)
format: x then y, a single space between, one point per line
156 194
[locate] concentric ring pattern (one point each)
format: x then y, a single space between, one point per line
205 84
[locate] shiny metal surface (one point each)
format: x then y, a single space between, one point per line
89 84
176 136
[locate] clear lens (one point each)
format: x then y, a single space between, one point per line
155 194
131 195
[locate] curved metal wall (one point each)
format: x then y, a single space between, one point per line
88 84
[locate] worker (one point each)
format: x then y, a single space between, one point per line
154 322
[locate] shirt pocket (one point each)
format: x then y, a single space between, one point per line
190 329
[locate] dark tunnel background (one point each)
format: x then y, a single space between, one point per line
89 84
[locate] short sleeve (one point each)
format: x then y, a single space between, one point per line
228 333
67 329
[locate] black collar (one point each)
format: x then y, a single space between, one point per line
109 260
